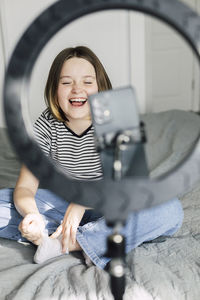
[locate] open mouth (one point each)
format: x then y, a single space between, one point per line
78 101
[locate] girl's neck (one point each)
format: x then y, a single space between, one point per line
78 126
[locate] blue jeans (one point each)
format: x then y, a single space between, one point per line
145 225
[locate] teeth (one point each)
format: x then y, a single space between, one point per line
78 100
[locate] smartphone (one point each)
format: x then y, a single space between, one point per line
114 113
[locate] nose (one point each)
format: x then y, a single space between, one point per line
77 87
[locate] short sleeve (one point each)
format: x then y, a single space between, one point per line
42 132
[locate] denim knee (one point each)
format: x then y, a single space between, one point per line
6 206
175 210
6 196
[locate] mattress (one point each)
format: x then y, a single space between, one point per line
162 271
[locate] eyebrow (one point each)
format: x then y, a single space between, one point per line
85 76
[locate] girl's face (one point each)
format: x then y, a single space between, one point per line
77 82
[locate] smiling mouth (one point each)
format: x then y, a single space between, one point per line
77 102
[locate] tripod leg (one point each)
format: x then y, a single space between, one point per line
117 278
116 269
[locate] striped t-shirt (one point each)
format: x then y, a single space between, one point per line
75 153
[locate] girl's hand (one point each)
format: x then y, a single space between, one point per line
69 226
31 227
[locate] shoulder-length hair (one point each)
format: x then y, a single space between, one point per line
103 81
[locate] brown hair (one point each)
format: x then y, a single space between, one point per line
103 81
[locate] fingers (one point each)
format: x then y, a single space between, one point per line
65 231
30 221
73 234
20 227
27 220
58 232
68 238
31 227
71 221
24 227
65 239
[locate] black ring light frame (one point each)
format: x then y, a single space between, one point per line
113 199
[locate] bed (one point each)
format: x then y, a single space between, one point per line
161 271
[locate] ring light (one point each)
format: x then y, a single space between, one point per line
113 199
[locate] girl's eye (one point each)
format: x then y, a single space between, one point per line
66 82
88 82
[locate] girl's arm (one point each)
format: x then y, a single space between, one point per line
24 192
32 225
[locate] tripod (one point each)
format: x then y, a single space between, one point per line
116 242
116 267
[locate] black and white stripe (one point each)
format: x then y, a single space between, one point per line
76 154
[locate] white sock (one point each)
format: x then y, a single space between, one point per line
48 248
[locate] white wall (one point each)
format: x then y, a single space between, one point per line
15 16
122 40
104 32
137 57
108 42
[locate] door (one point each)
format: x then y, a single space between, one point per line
172 79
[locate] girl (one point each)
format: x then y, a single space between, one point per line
65 133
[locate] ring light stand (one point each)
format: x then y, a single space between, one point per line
113 198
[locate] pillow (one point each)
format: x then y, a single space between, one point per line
171 135
9 164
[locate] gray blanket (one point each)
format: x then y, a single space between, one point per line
169 270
